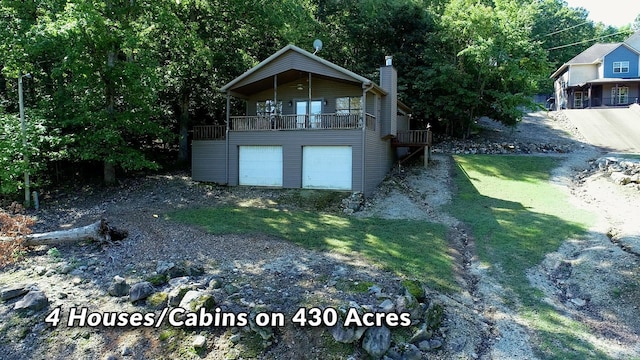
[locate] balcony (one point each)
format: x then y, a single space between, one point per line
285 122
412 138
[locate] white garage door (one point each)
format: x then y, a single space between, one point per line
260 165
326 167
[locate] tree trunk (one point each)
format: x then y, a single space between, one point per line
109 175
98 231
183 151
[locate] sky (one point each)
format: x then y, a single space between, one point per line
610 12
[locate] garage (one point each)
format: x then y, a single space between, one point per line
260 165
327 167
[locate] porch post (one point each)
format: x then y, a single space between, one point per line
590 85
275 102
308 124
226 137
363 183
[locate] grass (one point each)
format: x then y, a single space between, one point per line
415 249
517 216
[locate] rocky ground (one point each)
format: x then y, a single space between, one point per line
592 279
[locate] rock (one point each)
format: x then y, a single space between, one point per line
231 289
424 345
235 338
65 268
265 332
343 334
33 300
199 342
434 315
409 304
578 302
40 270
421 334
435 343
215 283
176 295
194 300
177 271
620 178
179 281
118 287
126 351
405 352
387 306
377 341
374 290
140 291
163 267
13 291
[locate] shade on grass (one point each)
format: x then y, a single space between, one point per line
517 216
414 249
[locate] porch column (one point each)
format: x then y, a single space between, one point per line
226 138
590 85
308 124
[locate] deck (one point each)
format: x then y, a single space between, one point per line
285 122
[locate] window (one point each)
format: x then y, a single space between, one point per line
268 107
349 105
620 67
621 96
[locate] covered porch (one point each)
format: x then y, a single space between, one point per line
603 93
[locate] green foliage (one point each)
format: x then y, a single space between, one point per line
43 145
415 249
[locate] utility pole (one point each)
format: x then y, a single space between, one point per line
23 126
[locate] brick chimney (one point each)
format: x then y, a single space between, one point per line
389 106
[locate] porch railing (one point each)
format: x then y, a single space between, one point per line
300 122
413 138
209 132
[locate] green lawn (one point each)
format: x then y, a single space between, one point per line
412 249
517 217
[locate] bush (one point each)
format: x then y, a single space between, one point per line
15 225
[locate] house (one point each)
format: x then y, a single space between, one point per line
307 123
602 75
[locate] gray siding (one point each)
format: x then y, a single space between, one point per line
292 143
292 60
403 125
208 161
379 159
389 82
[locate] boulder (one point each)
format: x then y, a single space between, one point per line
33 300
194 300
140 291
377 341
118 287
14 291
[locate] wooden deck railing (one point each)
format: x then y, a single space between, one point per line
413 138
209 132
299 122
284 122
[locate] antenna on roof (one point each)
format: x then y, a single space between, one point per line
317 44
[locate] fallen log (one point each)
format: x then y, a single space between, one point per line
99 231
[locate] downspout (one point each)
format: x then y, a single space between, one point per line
226 137
365 89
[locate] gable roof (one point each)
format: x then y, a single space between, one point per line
290 58
592 55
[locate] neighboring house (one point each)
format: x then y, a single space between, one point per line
602 75
308 123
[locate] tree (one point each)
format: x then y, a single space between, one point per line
105 85
482 66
